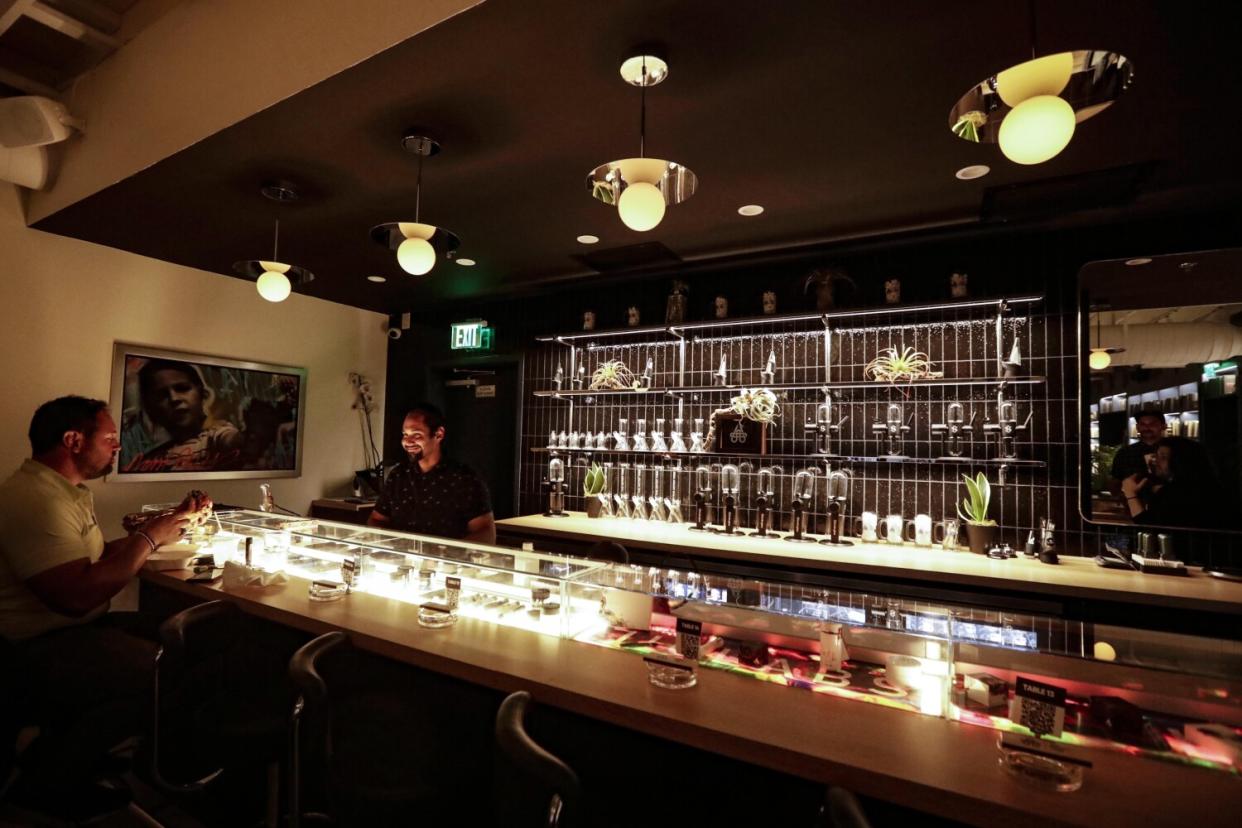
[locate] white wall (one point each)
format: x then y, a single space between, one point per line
64 302
198 66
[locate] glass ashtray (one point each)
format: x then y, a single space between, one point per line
671 675
326 591
1042 771
436 616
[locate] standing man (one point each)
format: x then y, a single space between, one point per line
89 682
430 494
1132 459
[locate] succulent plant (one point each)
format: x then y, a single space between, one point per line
593 482
974 509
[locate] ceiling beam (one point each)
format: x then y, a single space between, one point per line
90 12
11 11
20 82
71 26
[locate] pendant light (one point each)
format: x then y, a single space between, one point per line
642 187
417 245
273 278
1031 110
1101 357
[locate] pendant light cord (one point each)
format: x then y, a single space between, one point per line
418 189
1031 6
276 243
642 113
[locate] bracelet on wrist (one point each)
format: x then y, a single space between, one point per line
146 538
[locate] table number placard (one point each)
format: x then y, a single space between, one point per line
1039 707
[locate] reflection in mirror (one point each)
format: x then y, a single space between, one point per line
1161 339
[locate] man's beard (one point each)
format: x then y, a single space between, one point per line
414 453
95 475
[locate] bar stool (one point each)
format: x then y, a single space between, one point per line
555 799
236 716
841 809
608 551
376 758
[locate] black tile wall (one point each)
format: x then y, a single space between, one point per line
958 342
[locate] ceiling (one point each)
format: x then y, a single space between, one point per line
46 44
832 115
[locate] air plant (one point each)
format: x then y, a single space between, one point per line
904 366
612 375
759 405
974 509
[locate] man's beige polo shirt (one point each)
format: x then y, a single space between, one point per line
45 521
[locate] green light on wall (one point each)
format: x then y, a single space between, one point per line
472 335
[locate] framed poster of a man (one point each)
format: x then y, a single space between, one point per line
188 416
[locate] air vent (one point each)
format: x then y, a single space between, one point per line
1057 196
633 257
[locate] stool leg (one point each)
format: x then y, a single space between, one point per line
273 795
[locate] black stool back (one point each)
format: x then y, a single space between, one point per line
232 698
608 551
560 792
841 809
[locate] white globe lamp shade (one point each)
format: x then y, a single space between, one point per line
1099 360
641 206
1036 129
416 256
273 286
1047 75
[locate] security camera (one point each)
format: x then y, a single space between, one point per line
394 333
32 121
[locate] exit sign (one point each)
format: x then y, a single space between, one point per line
471 336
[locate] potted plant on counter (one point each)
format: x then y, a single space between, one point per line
592 485
980 530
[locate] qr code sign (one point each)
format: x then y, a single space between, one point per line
1040 707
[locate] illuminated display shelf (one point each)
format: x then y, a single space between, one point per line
999 305
990 382
1014 462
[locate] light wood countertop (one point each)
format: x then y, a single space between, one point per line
931 764
1075 577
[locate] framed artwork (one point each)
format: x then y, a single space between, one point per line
187 416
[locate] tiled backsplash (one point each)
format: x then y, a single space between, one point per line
960 343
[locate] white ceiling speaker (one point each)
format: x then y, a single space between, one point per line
25 167
32 121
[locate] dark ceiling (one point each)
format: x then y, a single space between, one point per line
832 115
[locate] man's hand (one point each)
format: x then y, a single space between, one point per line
167 528
1132 485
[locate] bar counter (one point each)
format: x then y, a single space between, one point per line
1075 579
931 764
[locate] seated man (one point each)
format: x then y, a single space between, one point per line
92 682
430 494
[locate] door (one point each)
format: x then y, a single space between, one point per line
481 408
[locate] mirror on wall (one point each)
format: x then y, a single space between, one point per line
1160 343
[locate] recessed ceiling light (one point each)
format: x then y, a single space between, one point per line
587 238
376 279
1142 260
466 262
750 210
973 171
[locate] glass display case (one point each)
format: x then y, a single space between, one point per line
1173 697
515 588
